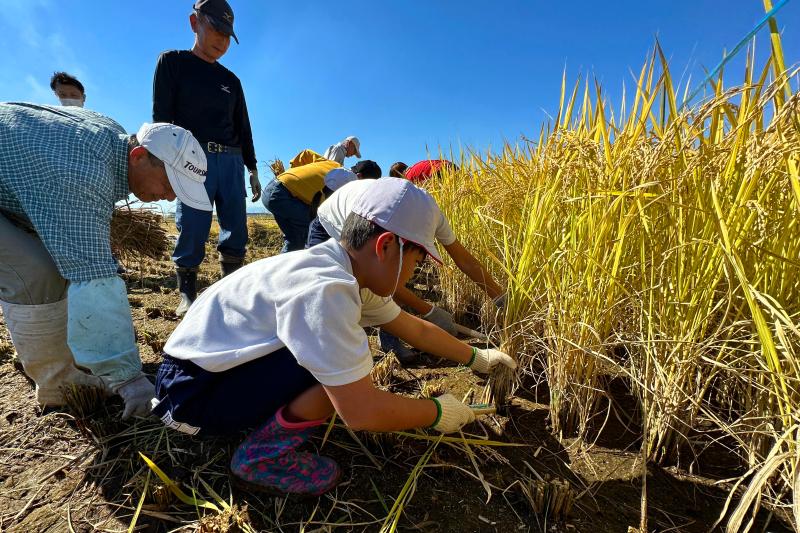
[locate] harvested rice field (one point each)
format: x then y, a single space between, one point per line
81 469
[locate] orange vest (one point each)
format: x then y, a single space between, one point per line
306 175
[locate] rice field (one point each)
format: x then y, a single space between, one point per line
651 257
655 244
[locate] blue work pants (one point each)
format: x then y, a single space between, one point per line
226 190
291 214
316 233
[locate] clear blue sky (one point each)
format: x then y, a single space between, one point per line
405 77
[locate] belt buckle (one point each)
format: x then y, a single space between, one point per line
214 148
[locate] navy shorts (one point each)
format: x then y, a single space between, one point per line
196 401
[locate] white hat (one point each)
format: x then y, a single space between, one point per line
338 177
357 143
184 161
398 206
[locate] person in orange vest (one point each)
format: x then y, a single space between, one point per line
290 196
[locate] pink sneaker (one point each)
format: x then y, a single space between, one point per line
268 460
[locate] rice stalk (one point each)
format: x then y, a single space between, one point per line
407 492
655 242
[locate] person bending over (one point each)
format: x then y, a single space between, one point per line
279 346
330 219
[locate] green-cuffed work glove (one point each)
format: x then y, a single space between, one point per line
137 393
452 414
441 318
484 361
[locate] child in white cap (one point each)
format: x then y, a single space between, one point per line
330 219
280 346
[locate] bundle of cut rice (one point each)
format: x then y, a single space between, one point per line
137 232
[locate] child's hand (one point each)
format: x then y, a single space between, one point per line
453 415
485 360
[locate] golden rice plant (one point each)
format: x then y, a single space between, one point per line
658 241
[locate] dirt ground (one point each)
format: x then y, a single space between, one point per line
81 469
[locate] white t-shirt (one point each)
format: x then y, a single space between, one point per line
307 301
334 211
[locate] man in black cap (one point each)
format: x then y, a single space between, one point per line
193 90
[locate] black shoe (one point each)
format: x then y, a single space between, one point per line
227 267
187 286
229 263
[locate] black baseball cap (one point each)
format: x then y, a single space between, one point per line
220 14
367 168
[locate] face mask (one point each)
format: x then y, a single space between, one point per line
399 267
71 102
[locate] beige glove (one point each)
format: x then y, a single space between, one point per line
137 393
255 185
484 361
453 415
441 318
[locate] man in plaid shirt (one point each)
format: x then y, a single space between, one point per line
61 172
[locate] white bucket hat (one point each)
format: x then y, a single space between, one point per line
184 161
338 177
357 144
398 206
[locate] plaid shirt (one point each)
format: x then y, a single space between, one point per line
62 169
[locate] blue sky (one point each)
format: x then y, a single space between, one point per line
405 77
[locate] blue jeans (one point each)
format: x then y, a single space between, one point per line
291 214
225 187
316 233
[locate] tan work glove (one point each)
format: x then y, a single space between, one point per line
137 393
452 414
441 318
484 361
255 185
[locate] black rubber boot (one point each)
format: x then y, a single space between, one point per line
187 286
229 263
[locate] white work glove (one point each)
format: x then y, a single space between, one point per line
441 318
137 393
453 415
501 300
255 185
484 361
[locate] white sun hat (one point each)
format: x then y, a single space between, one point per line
184 161
398 206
